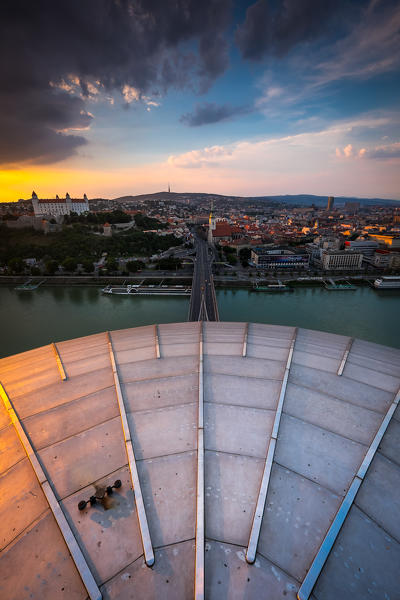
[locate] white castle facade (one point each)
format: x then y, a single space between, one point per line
59 206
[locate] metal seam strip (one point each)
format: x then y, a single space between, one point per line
140 509
345 355
319 561
246 333
199 558
69 538
214 298
262 495
59 363
157 341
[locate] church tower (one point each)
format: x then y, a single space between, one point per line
211 225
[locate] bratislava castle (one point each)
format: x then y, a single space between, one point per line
59 206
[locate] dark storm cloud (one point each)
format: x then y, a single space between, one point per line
151 45
277 27
209 112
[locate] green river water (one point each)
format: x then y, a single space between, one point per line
51 314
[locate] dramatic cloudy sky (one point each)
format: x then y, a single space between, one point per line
115 97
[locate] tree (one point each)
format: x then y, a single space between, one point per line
244 256
134 266
51 267
70 264
16 265
87 266
111 264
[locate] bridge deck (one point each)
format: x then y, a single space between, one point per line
203 302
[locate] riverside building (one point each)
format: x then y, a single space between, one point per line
59 206
341 259
280 258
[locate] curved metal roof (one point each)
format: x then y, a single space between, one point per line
232 432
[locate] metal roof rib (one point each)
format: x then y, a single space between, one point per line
345 355
262 495
199 558
141 512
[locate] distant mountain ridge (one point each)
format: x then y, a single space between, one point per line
302 199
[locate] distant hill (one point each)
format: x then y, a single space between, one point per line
300 199
308 199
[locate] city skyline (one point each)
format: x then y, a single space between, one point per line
243 98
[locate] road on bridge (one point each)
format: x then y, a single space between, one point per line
203 302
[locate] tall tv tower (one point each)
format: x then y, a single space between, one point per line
169 188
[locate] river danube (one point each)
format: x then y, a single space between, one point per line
51 314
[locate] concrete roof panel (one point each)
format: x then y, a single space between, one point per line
48 572
341 387
263 351
375 365
131 355
354 422
231 488
390 444
84 458
21 501
108 533
376 351
297 516
74 366
364 563
316 361
68 419
276 342
11 449
154 369
164 431
379 496
324 457
171 577
222 434
229 576
158 393
63 392
227 348
31 377
322 338
80 347
263 330
327 351
129 339
245 367
169 492
241 391
179 349
373 378
16 361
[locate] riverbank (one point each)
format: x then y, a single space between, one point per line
220 281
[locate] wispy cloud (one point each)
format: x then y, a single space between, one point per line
369 48
210 112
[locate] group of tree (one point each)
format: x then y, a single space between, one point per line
99 218
167 264
143 222
81 246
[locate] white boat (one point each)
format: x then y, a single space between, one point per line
151 290
389 282
122 290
